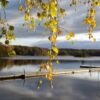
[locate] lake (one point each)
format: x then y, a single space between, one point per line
84 86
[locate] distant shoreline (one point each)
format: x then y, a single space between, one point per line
37 51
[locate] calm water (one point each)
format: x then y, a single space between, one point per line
84 86
12 66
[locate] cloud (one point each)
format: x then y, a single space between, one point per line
73 21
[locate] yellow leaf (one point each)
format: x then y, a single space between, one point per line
53 38
54 12
92 11
55 49
21 8
43 66
49 76
72 34
52 57
53 9
54 21
90 29
61 12
68 37
90 35
54 29
98 3
50 69
31 26
49 53
47 24
10 36
28 2
59 32
93 24
27 17
40 16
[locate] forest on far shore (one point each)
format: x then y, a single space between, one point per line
37 51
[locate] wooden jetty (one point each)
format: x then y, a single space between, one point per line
55 73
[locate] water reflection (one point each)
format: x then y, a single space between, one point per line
84 86
15 66
11 63
8 66
64 88
12 66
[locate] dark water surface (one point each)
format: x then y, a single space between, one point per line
84 86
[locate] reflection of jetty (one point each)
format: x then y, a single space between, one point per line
55 73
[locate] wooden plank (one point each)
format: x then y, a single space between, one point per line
55 73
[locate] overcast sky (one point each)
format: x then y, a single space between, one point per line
73 21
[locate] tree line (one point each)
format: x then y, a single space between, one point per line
37 51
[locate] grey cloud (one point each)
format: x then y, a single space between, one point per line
72 21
